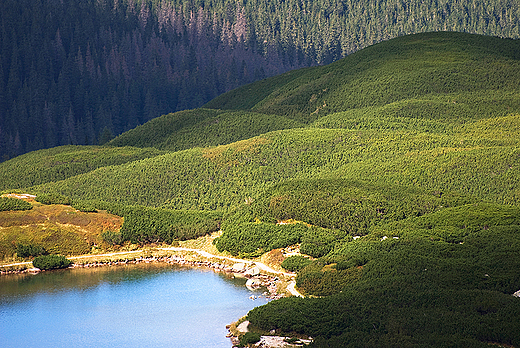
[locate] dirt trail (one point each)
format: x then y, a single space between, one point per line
260 265
291 287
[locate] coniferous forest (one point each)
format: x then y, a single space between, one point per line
80 72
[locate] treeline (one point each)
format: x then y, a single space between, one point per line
471 76
76 72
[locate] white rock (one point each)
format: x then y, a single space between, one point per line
252 271
238 267
242 327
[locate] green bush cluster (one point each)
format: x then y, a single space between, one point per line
85 206
29 250
53 198
333 210
151 225
315 281
249 338
295 263
254 239
412 291
46 262
8 203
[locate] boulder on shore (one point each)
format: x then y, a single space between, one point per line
254 283
252 272
238 267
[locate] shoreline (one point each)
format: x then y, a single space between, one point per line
260 280
278 284
257 273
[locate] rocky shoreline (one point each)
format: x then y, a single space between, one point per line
255 278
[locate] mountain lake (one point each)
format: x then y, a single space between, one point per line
139 305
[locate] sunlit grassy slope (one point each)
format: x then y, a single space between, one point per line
62 162
398 166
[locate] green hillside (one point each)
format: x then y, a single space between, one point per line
395 170
202 128
71 70
62 162
432 71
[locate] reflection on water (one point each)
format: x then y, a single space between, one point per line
141 305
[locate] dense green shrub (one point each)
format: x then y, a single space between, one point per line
151 225
59 163
112 237
319 242
8 203
202 128
249 338
257 237
467 287
315 281
146 225
295 263
84 206
52 261
29 250
355 260
353 206
52 198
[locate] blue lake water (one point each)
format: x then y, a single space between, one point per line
146 305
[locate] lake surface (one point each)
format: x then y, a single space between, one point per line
145 305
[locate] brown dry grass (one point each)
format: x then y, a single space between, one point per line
273 259
58 228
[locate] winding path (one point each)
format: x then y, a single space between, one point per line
203 253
